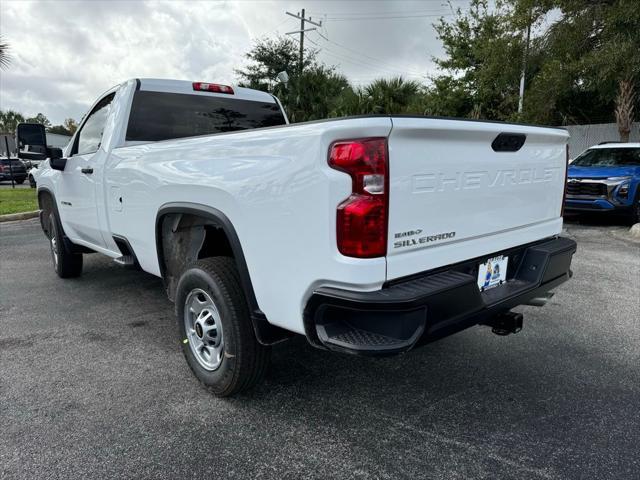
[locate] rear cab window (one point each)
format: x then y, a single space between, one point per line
159 116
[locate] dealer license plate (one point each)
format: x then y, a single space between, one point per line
492 273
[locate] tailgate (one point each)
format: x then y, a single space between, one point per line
453 198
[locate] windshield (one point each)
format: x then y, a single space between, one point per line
162 116
608 157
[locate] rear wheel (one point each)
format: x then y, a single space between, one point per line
216 333
66 263
20 181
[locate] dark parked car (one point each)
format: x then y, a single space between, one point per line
17 167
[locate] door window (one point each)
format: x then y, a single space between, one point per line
90 135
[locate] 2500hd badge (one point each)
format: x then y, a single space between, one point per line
410 242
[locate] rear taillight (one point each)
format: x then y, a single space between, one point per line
361 224
566 179
212 87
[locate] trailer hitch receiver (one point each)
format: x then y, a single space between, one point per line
506 323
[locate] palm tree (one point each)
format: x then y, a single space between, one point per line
5 59
624 109
391 95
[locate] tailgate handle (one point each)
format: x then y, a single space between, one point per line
508 142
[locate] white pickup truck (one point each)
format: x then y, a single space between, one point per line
368 235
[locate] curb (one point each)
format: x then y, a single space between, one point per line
19 216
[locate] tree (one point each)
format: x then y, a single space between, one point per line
9 120
482 62
579 68
350 102
69 128
5 58
71 125
391 96
448 97
268 58
586 57
309 95
59 130
312 95
624 109
40 118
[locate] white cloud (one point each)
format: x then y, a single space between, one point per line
65 53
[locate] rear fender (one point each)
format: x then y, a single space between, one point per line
266 333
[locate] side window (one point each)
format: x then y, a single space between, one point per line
90 135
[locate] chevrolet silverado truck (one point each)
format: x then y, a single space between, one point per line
606 179
368 235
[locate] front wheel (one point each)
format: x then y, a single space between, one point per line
66 263
635 210
216 332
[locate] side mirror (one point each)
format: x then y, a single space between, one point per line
32 141
55 158
54 153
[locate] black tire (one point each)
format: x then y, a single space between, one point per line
65 263
635 210
20 181
243 360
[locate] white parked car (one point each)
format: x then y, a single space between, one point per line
368 235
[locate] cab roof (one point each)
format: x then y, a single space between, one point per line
186 87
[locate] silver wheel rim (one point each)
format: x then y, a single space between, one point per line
54 249
204 329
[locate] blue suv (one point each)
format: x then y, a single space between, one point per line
606 178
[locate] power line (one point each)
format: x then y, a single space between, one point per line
347 58
365 64
347 19
380 14
441 3
396 67
363 60
274 30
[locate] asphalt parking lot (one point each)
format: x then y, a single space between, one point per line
93 385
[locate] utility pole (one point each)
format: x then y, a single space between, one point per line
303 19
524 65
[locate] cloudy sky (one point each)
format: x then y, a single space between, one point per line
65 53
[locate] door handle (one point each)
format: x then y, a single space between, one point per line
87 170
